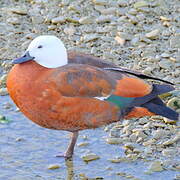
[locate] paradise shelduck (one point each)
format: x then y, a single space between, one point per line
74 91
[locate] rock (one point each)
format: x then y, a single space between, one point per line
172 140
114 140
165 55
101 2
159 133
140 4
126 36
120 40
165 64
174 103
175 41
118 160
58 20
90 157
156 166
69 31
90 37
169 152
13 21
74 20
19 11
54 166
3 92
86 20
104 19
110 11
163 18
140 133
82 144
153 34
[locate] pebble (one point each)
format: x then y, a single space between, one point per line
120 40
104 19
175 41
156 166
19 11
159 133
174 103
54 166
90 37
101 2
124 35
3 92
86 20
165 64
114 140
59 20
69 31
165 55
140 4
169 152
172 140
119 159
90 157
153 34
82 144
110 11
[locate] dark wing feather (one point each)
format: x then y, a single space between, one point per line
136 73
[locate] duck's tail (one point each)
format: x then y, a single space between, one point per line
151 104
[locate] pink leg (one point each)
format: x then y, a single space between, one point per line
70 149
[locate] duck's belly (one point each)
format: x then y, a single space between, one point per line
48 108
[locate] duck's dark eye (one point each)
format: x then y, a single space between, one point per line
40 46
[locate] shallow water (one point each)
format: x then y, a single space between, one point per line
26 150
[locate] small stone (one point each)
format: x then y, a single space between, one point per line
156 166
175 41
165 55
74 20
159 133
90 37
59 19
163 18
86 20
165 64
149 142
82 144
19 11
90 157
19 139
13 21
3 92
118 160
153 34
168 152
174 103
100 2
124 35
141 134
69 31
169 121
120 40
54 166
111 11
104 19
172 140
140 4
114 140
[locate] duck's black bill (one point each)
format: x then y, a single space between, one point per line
23 59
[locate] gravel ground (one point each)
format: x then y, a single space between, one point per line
140 35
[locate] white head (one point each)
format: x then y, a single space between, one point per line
47 50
